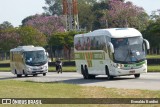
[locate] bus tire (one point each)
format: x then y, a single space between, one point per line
87 75
44 74
19 75
25 74
108 74
136 75
35 75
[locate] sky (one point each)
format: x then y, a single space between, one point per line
14 11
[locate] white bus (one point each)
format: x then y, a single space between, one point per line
113 52
28 60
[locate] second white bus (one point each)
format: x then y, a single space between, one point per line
28 60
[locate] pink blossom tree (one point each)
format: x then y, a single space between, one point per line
48 25
122 14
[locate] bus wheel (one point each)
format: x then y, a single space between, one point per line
136 75
25 74
44 74
19 75
85 73
108 74
34 75
82 70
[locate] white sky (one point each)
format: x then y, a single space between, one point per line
15 11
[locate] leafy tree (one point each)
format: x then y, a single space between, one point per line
46 24
5 25
99 12
54 7
62 40
9 38
31 36
153 35
126 15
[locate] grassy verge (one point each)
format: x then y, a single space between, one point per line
51 69
151 68
153 56
21 89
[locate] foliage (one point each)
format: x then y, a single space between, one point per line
99 12
13 37
31 36
54 7
5 25
152 33
46 24
9 38
126 15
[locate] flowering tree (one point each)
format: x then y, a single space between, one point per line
9 38
48 25
122 14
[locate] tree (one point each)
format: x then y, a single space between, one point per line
31 36
5 25
63 40
153 35
9 38
99 12
54 7
126 15
47 25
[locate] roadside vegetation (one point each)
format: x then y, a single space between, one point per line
151 68
62 90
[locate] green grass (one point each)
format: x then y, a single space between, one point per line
21 89
153 56
51 69
65 69
151 68
4 61
154 68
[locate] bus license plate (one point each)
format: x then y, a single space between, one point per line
131 72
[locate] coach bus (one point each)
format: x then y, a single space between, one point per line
28 60
113 52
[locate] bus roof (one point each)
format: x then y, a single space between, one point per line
114 33
27 48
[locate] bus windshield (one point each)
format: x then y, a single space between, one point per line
35 58
128 50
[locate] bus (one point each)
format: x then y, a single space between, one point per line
112 52
28 60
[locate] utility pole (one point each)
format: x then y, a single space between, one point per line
70 11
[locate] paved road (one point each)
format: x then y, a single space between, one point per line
149 81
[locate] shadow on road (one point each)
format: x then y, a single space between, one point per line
96 80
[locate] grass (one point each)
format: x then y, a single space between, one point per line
151 68
21 89
153 56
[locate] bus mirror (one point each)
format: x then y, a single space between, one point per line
47 54
111 47
147 43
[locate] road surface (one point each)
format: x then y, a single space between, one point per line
149 81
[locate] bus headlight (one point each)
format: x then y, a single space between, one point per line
29 69
120 66
45 67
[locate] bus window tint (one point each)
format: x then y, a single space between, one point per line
90 43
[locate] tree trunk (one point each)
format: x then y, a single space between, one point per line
51 53
69 52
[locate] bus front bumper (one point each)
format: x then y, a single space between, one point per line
121 72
